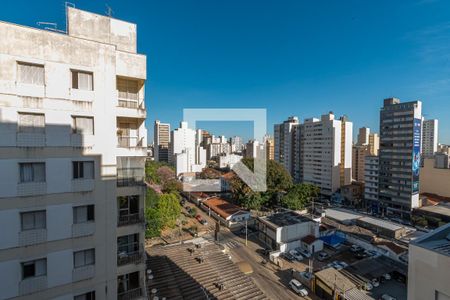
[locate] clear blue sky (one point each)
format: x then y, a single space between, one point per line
294 57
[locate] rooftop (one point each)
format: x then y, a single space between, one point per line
309 239
381 223
179 274
335 279
341 215
441 209
437 240
222 207
286 218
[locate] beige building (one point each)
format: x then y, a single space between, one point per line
161 138
270 148
434 180
368 145
429 264
72 153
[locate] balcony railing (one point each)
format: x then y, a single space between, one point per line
129 141
131 219
130 103
130 294
130 177
131 258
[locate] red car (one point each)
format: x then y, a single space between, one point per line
199 218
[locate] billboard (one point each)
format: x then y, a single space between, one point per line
417 141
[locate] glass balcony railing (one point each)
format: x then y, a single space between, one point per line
130 176
130 219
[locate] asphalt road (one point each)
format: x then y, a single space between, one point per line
269 278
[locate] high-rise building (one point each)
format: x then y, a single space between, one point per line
368 144
161 139
430 137
236 144
284 148
185 152
400 149
428 265
371 170
269 147
363 136
326 152
73 148
254 149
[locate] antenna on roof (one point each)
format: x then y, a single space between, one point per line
109 12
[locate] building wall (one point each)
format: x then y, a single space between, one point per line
430 137
85 49
434 180
427 274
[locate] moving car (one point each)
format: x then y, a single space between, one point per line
298 288
295 254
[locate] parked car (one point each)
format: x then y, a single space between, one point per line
322 256
182 202
343 264
387 297
298 288
368 286
335 264
355 248
375 282
201 220
295 254
303 252
387 276
287 256
361 255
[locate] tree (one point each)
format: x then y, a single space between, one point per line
299 196
278 181
161 211
170 208
165 174
151 171
172 186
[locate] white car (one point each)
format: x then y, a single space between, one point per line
387 276
369 286
297 255
387 297
343 264
298 288
335 264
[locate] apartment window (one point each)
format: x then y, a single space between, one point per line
83 125
128 88
34 268
32 172
83 214
83 258
33 220
128 244
83 169
86 296
30 73
127 282
82 80
31 123
128 205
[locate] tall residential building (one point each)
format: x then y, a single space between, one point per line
371 170
72 160
254 149
428 265
400 151
430 137
269 146
237 145
186 154
285 143
326 152
363 136
161 137
368 144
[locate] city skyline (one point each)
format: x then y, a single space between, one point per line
263 55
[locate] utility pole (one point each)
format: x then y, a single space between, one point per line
246 244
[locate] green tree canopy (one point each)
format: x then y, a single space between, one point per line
299 196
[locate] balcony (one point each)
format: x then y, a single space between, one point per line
130 219
32 237
83 273
130 177
130 294
83 229
130 141
136 257
32 285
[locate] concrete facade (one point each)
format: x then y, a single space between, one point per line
72 158
400 148
434 180
430 139
161 138
284 143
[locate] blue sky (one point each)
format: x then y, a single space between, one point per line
301 58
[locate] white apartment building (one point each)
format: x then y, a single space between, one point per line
161 138
228 160
371 182
326 152
430 137
72 153
186 153
254 149
285 141
428 265
237 144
